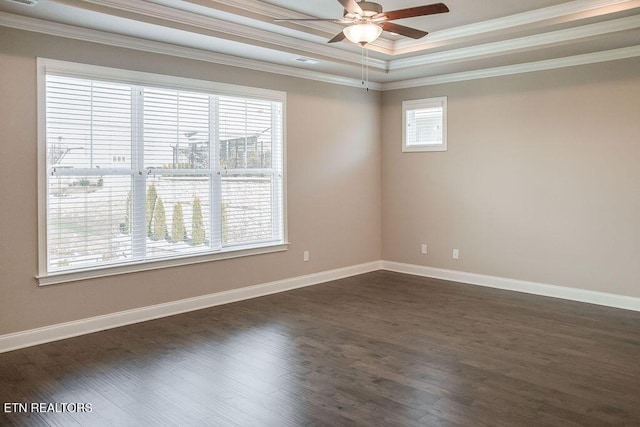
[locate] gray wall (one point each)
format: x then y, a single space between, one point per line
333 181
541 181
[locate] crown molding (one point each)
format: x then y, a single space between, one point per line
68 31
522 43
550 64
398 47
264 12
564 11
207 25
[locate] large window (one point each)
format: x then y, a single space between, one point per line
424 125
137 171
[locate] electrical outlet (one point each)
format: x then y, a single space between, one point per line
456 254
423 249
305 256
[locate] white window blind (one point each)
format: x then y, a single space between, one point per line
136 173
425 125
249 157
89 145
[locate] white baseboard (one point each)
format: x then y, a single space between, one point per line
573 294
60 331
99 323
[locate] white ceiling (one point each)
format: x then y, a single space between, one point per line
474 35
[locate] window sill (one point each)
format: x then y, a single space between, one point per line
238 252
424 148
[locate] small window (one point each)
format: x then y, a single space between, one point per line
424 124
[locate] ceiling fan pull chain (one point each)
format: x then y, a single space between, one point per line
367 64
362 64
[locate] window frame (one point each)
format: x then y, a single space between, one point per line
418 104
86 71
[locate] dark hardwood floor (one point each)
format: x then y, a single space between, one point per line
377 349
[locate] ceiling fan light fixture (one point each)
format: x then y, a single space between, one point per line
363 33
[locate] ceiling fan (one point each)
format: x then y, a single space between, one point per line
366 20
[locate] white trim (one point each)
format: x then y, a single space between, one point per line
60 331
217 24
136 267
537 41
570 11
418 104
565 12
50 66
549 64
214 27
62 30
46 65
68 31
543 289
42 167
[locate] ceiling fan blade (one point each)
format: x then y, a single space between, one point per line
338 38
352 7
431 9
402 30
